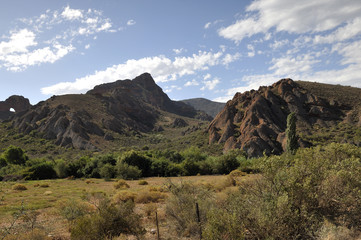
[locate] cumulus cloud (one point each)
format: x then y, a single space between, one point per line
162 69
210 84
36 42
283 15
179 50
193 82
71 14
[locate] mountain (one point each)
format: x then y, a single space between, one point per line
210 107
255 121
121 108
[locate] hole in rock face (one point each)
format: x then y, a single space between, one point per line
12 110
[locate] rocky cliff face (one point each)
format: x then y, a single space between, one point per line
18 103
255 121
120 107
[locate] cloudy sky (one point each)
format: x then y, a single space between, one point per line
203 48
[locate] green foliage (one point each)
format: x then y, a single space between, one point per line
295 196
108 221
61 169
126 171
291 136
40 171
15 155
107 171
3 162
139 160
72 209
227 162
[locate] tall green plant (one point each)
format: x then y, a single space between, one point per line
291 135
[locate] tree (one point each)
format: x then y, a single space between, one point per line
292 138
15 155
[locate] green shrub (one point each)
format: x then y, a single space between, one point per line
126 171
149 197
138 160
295 195
15 155
72 209
107 171
40 171
61 169
109 221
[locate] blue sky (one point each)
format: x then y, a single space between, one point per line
202 48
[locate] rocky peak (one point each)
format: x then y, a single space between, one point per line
255 121
18 103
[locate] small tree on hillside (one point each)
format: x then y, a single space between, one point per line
292 143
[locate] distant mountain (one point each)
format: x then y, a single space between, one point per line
210 107
255 121
87 121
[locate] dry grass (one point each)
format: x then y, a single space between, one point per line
148 198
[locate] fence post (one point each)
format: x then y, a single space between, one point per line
156 221
199 221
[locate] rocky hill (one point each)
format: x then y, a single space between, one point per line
84 121
210 107
255 121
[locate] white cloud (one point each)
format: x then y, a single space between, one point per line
229 58
284 15
162 69
278 44
350 30
36 42
207 25
191 83
285 66
131 22
211 84
251 53
19 42
207 76
87 46
178 50
19 62
72 14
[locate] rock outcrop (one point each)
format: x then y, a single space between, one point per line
122 107
18 103
255 121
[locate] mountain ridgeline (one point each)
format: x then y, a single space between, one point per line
132 110
123 107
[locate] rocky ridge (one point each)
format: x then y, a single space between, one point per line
122 107
255 121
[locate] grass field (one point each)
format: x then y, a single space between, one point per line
46 196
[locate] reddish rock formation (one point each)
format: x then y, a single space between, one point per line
18 103
255 121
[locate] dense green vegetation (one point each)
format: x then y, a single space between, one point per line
15 165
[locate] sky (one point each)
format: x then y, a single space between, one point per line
204 48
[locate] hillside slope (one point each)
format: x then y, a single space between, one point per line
87 121
255 121
210 107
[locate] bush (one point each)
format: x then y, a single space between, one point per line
295 195
181 206
126 171
40 171
124 196
19 187
147 196
121 184
142 182
109 221
72 209
61 169
107 171
138 160
15 155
